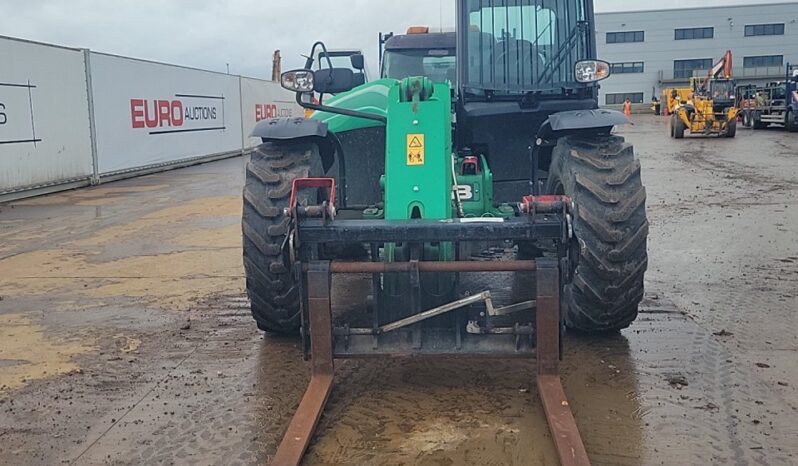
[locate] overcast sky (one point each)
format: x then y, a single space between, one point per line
211 33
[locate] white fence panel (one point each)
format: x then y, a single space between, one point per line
44 121
149 114
261 100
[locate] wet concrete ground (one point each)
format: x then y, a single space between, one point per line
125 336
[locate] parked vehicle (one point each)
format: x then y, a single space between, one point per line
710 110
774 103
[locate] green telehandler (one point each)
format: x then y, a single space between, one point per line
401 177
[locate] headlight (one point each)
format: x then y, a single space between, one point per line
297 80
588 71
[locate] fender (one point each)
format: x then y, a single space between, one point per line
289 128
286 129
599 121
587 122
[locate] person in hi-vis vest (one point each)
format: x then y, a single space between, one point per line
627 108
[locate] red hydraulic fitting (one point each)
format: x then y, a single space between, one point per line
548 204
470 165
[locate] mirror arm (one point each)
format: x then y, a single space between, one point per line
339 111
309 61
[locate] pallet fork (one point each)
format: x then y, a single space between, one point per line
545 219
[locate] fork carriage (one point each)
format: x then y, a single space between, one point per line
528 329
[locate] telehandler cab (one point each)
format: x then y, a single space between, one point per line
395 178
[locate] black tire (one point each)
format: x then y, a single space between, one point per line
758 123
678 126
791 121
731 130
609 256
271 284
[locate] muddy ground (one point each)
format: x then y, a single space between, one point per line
125 336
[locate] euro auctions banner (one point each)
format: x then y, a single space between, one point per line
183 114
261 100
151 113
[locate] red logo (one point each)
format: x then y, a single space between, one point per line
156 114
264 111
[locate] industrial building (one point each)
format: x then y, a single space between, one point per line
656 49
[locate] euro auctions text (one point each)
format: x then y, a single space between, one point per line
174 113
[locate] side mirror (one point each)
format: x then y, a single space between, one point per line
358 62
334 80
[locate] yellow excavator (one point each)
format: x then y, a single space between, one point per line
710 109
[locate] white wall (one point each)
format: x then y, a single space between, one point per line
261 100
149 113
70 117
44 120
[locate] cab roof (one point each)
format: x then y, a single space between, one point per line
431 40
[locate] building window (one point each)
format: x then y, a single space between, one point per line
694 33
684 68
618 99
627 67
764 29
763 61
620 37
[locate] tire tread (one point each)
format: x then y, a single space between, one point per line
271 286
602 176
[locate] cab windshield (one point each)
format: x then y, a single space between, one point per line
516 46
722 90
439 65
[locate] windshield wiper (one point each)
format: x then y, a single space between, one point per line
564 52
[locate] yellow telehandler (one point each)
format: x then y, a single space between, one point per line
710 110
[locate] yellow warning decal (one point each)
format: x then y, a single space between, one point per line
415 149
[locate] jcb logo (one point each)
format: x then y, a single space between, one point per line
465 192
3 116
